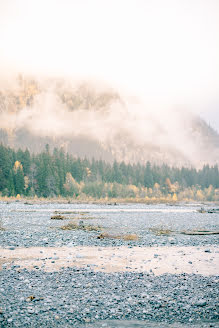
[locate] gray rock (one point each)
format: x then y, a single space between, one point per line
201 303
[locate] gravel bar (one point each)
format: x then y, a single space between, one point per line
51 277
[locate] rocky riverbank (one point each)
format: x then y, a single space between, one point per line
52 277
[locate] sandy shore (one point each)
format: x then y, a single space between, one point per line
157 260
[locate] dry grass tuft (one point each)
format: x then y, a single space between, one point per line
159 231
1 227
62 215
85 218
71 212
128 237
80 226
76 218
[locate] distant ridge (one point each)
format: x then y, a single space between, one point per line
90 120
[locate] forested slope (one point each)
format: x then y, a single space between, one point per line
50 174
92 120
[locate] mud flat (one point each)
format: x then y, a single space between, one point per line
156 260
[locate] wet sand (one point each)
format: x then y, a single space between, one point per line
157 260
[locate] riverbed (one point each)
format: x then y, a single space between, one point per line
164 276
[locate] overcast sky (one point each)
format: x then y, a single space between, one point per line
164 51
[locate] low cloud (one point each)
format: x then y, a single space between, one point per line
124 124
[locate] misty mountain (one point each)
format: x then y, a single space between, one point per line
93 120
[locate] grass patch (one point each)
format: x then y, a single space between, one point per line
81 226
159 231
85 218
128 237
62 217
70 212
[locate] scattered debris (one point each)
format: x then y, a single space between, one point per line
30 298
33 298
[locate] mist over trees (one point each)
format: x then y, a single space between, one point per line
85 118
56 173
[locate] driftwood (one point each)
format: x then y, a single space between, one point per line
212 210
58 217
200 232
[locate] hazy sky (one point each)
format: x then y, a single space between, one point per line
165 51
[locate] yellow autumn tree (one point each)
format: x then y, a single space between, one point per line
209 193
17 165
70 185
172 187
134 190
174 197
199 195
26 182
88 171
168 184
156 190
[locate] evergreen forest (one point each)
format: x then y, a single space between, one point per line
56 173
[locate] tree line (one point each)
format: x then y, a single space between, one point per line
56 173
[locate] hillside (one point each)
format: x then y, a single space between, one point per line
91 120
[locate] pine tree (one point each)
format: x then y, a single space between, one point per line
148 177
19 181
